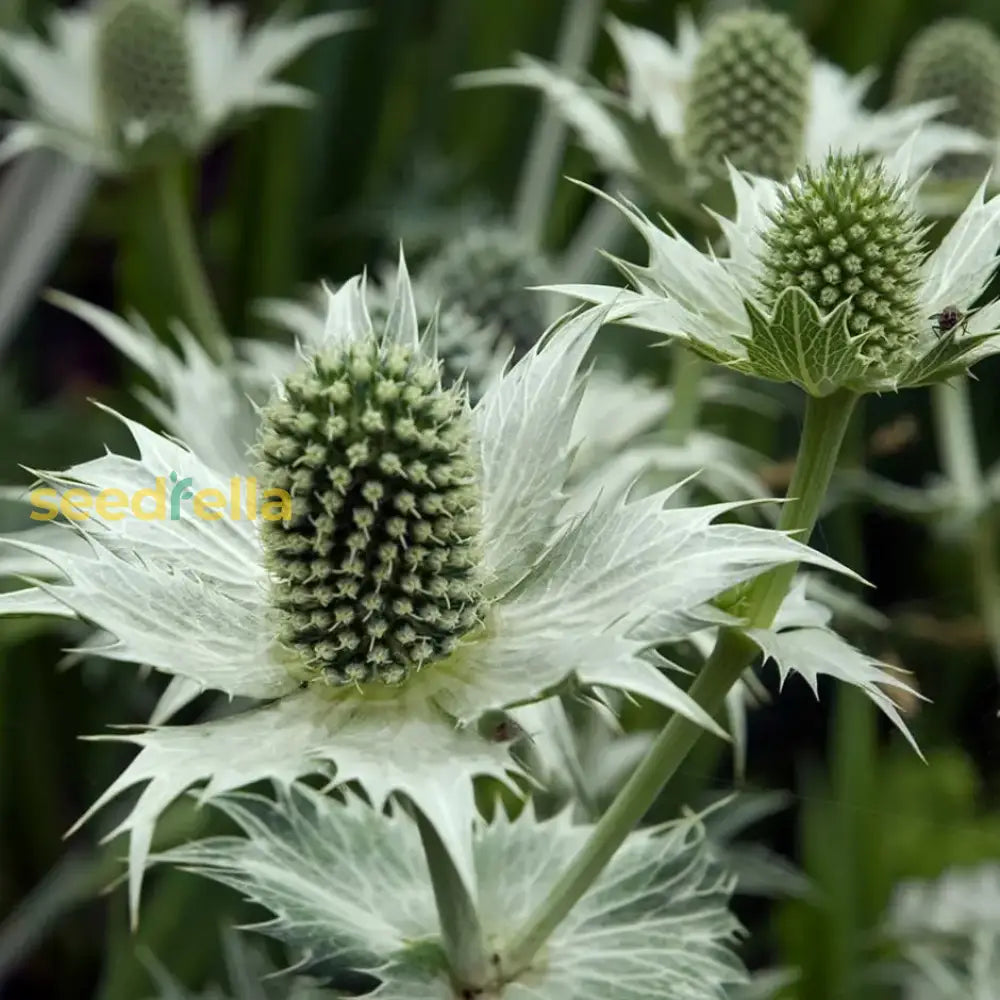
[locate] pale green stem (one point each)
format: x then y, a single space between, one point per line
182 252
956 435
577 34
686 377
461 934
826 421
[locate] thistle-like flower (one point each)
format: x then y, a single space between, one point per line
348 887
132 78
958 60
414 570
748 96
746 89
827 283
489 271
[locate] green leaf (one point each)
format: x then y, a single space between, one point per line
348 883
798 344
947 358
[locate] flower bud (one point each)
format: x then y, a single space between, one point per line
845 234
748 98
957 59
144 71
376 572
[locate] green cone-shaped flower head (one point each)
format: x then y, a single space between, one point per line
144 71
488 271
376 572
846 234
957 59
749 96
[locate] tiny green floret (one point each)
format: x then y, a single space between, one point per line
749 96
957 59
144 70
377 571
845 233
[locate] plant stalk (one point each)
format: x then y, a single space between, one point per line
825 424
686 376
461 933
959 456
182 251
577 33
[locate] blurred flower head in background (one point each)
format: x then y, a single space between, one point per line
747 89
125 80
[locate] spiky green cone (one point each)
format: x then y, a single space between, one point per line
144 73
377 571
488 272
748 98
846 235
959 59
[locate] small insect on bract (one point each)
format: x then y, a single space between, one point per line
948 319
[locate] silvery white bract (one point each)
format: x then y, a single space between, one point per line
560 601
349 887
640 134
801 641
621 444
468 348
949 930
232 71
716 305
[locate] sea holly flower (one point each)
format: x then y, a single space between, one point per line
422 573
747 89
957 60
348 888
827 283
129 78
490 270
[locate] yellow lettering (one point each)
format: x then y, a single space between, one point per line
46 502
277 505
208 504
111 504
76 505
159 497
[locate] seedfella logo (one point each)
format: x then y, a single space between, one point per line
166 500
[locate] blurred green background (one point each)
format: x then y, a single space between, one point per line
391 151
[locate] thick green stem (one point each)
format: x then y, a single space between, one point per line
825 423
959 456
541 167
686 378
461 933
182 251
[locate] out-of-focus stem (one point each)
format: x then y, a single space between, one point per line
959 456
686 378
182 251
541 167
